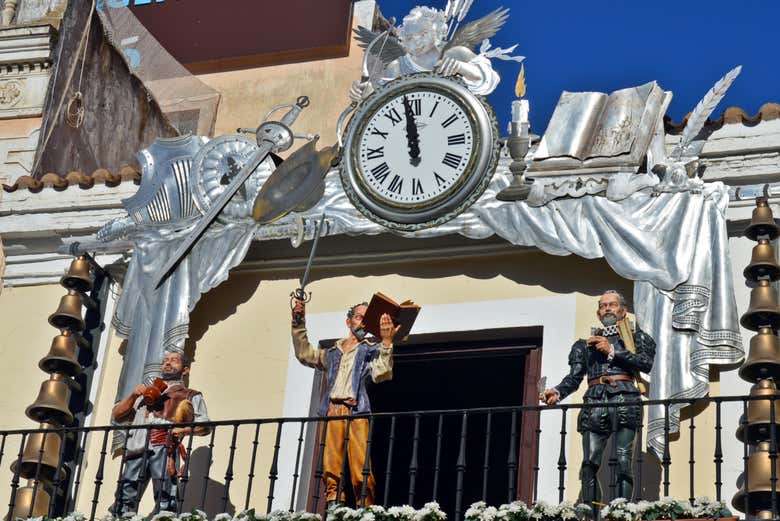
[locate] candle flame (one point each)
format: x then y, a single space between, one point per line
520 85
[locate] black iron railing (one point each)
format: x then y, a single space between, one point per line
452 456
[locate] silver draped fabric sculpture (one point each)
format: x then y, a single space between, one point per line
668 237
673 245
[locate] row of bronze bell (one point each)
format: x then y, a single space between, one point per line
40 459
762 367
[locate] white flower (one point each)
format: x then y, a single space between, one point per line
223 517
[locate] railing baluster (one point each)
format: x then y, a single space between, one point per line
251 476
538 432
745 454
297 464
667 457
185 476
413 460
58 473
389 469
141 475
205 488
460 467
122 462
344 454
273 474
772 454
229 470
80 469
718 451
562 457
437 461
99 474
612 453
691 459
512 459
17 469
640 459
168 440
486 461
323 425
367 464
37 479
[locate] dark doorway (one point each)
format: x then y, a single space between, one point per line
446 371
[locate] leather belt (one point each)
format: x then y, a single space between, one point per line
349 402
611 380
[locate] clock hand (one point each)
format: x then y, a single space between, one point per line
412 136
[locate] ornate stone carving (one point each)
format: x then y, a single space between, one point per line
10 93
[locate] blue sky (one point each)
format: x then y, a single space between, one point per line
605 45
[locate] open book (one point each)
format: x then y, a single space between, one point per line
403 314
595 132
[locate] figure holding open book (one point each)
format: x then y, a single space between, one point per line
611 358
348 366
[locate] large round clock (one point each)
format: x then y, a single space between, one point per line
419 151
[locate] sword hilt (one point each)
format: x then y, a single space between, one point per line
302 295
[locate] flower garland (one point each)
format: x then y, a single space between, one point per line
618 510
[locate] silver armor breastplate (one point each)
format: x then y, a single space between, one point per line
165 193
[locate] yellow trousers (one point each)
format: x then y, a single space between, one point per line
333 458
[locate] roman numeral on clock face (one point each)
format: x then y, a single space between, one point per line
451 160
393 116
416 106
449 121
395 184
377 132
380 172
375 153
439 179
417 188
456 139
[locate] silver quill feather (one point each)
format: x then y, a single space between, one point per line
703 110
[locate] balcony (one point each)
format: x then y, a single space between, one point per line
455 457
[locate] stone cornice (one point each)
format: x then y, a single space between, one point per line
26 45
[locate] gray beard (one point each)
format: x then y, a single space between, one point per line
171 376
609 321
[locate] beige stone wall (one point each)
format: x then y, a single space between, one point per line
248 94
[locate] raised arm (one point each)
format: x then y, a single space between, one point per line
304 351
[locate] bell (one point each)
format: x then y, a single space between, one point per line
68 315
52 403
762 222
764 310
48 441
763 359
759 481
759 415
26 506
762 263
77 277
62 356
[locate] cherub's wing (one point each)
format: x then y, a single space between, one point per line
387 51
472 34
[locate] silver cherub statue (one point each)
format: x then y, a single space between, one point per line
423 43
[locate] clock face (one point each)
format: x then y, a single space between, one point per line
443 132
419 151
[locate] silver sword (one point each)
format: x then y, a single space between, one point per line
272 136
300 293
